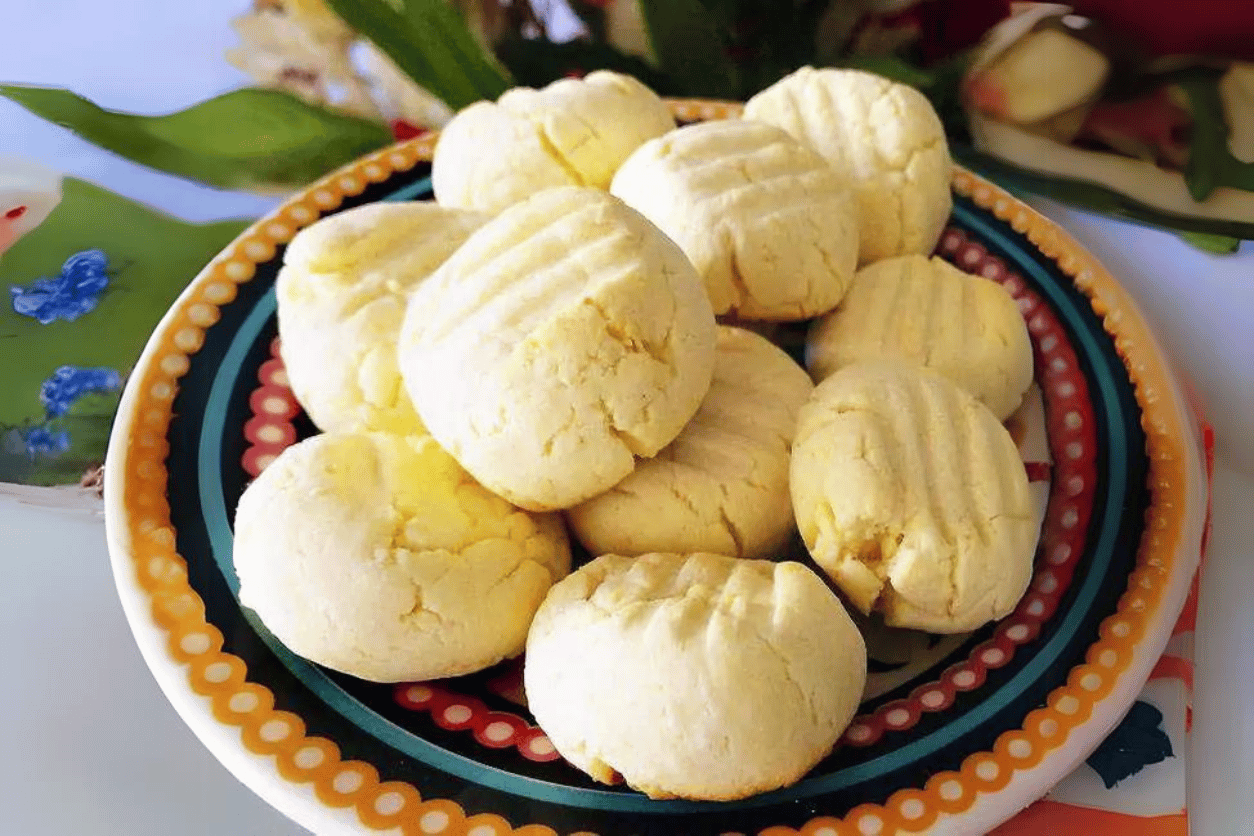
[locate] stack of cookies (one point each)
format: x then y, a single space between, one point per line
569 339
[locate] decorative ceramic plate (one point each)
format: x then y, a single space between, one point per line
954 734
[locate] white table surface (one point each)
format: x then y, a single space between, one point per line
90 744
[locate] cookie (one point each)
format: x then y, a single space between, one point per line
912 497
376 555
884 137
574 132
722 485
768 224
341 297
565 338
701 677
927 311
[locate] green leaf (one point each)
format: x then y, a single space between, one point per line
241 139
1211 163
1098 198
431 43
690 47
892 67
1217 244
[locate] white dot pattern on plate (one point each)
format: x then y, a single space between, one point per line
457 713
1019 748
1068 705
993 657
174 365
912 808
347 780
243 702
435 821
275 730
389 803
217 293
541 745
498 731
188 339
195 643
217 672
869 825
309 757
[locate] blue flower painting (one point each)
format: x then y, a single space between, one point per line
57 394
69 383
41 441
74 292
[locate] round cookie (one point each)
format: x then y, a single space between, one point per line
341 297
722 485
912 497
574 132
929 312
881 135
768 224
565 338
702 677
378 556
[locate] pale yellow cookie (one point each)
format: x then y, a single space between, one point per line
768 224
722 485
341 297
881 135
929 312
565 338
913 498
574 132
702 677
378 556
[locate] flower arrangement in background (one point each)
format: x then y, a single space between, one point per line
1157 83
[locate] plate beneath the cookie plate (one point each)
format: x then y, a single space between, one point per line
954 735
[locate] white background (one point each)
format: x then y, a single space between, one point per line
90 746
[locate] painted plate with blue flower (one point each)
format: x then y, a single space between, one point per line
954 735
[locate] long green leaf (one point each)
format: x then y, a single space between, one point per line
430 42
1098 198
242 139
1211 162
690 47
